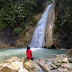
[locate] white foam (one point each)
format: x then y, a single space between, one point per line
38 36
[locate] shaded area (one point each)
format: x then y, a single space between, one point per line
7 38
63 24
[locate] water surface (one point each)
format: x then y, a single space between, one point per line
5 54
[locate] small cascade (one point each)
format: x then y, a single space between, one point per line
39 33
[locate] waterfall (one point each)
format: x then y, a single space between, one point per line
39 33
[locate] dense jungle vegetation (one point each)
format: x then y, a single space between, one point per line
64 13
63 22
15 14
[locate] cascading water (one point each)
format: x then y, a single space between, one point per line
38 37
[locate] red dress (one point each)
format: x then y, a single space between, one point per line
29 54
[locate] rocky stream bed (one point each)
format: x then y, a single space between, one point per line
60 63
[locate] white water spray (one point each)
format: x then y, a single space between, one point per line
38 37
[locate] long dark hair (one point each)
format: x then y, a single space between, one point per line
28 48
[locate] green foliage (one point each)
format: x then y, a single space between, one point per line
63 23
64 13
17 13
16 31
34 22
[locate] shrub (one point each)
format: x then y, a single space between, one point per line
17 31
34 22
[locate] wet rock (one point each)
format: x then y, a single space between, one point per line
7 69
15 65
61 56
58 56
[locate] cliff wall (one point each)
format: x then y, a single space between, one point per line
49 27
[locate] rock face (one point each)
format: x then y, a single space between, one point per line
49 27
7 39
69 53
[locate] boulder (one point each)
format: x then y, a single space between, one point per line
0 65
7 69
6 64
59 61
62 70
31 66
58 64
55 62
15 65
23 70
44 66
23 59
70 60
62 56
65 60
13 59
58 56
67 66
53 66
